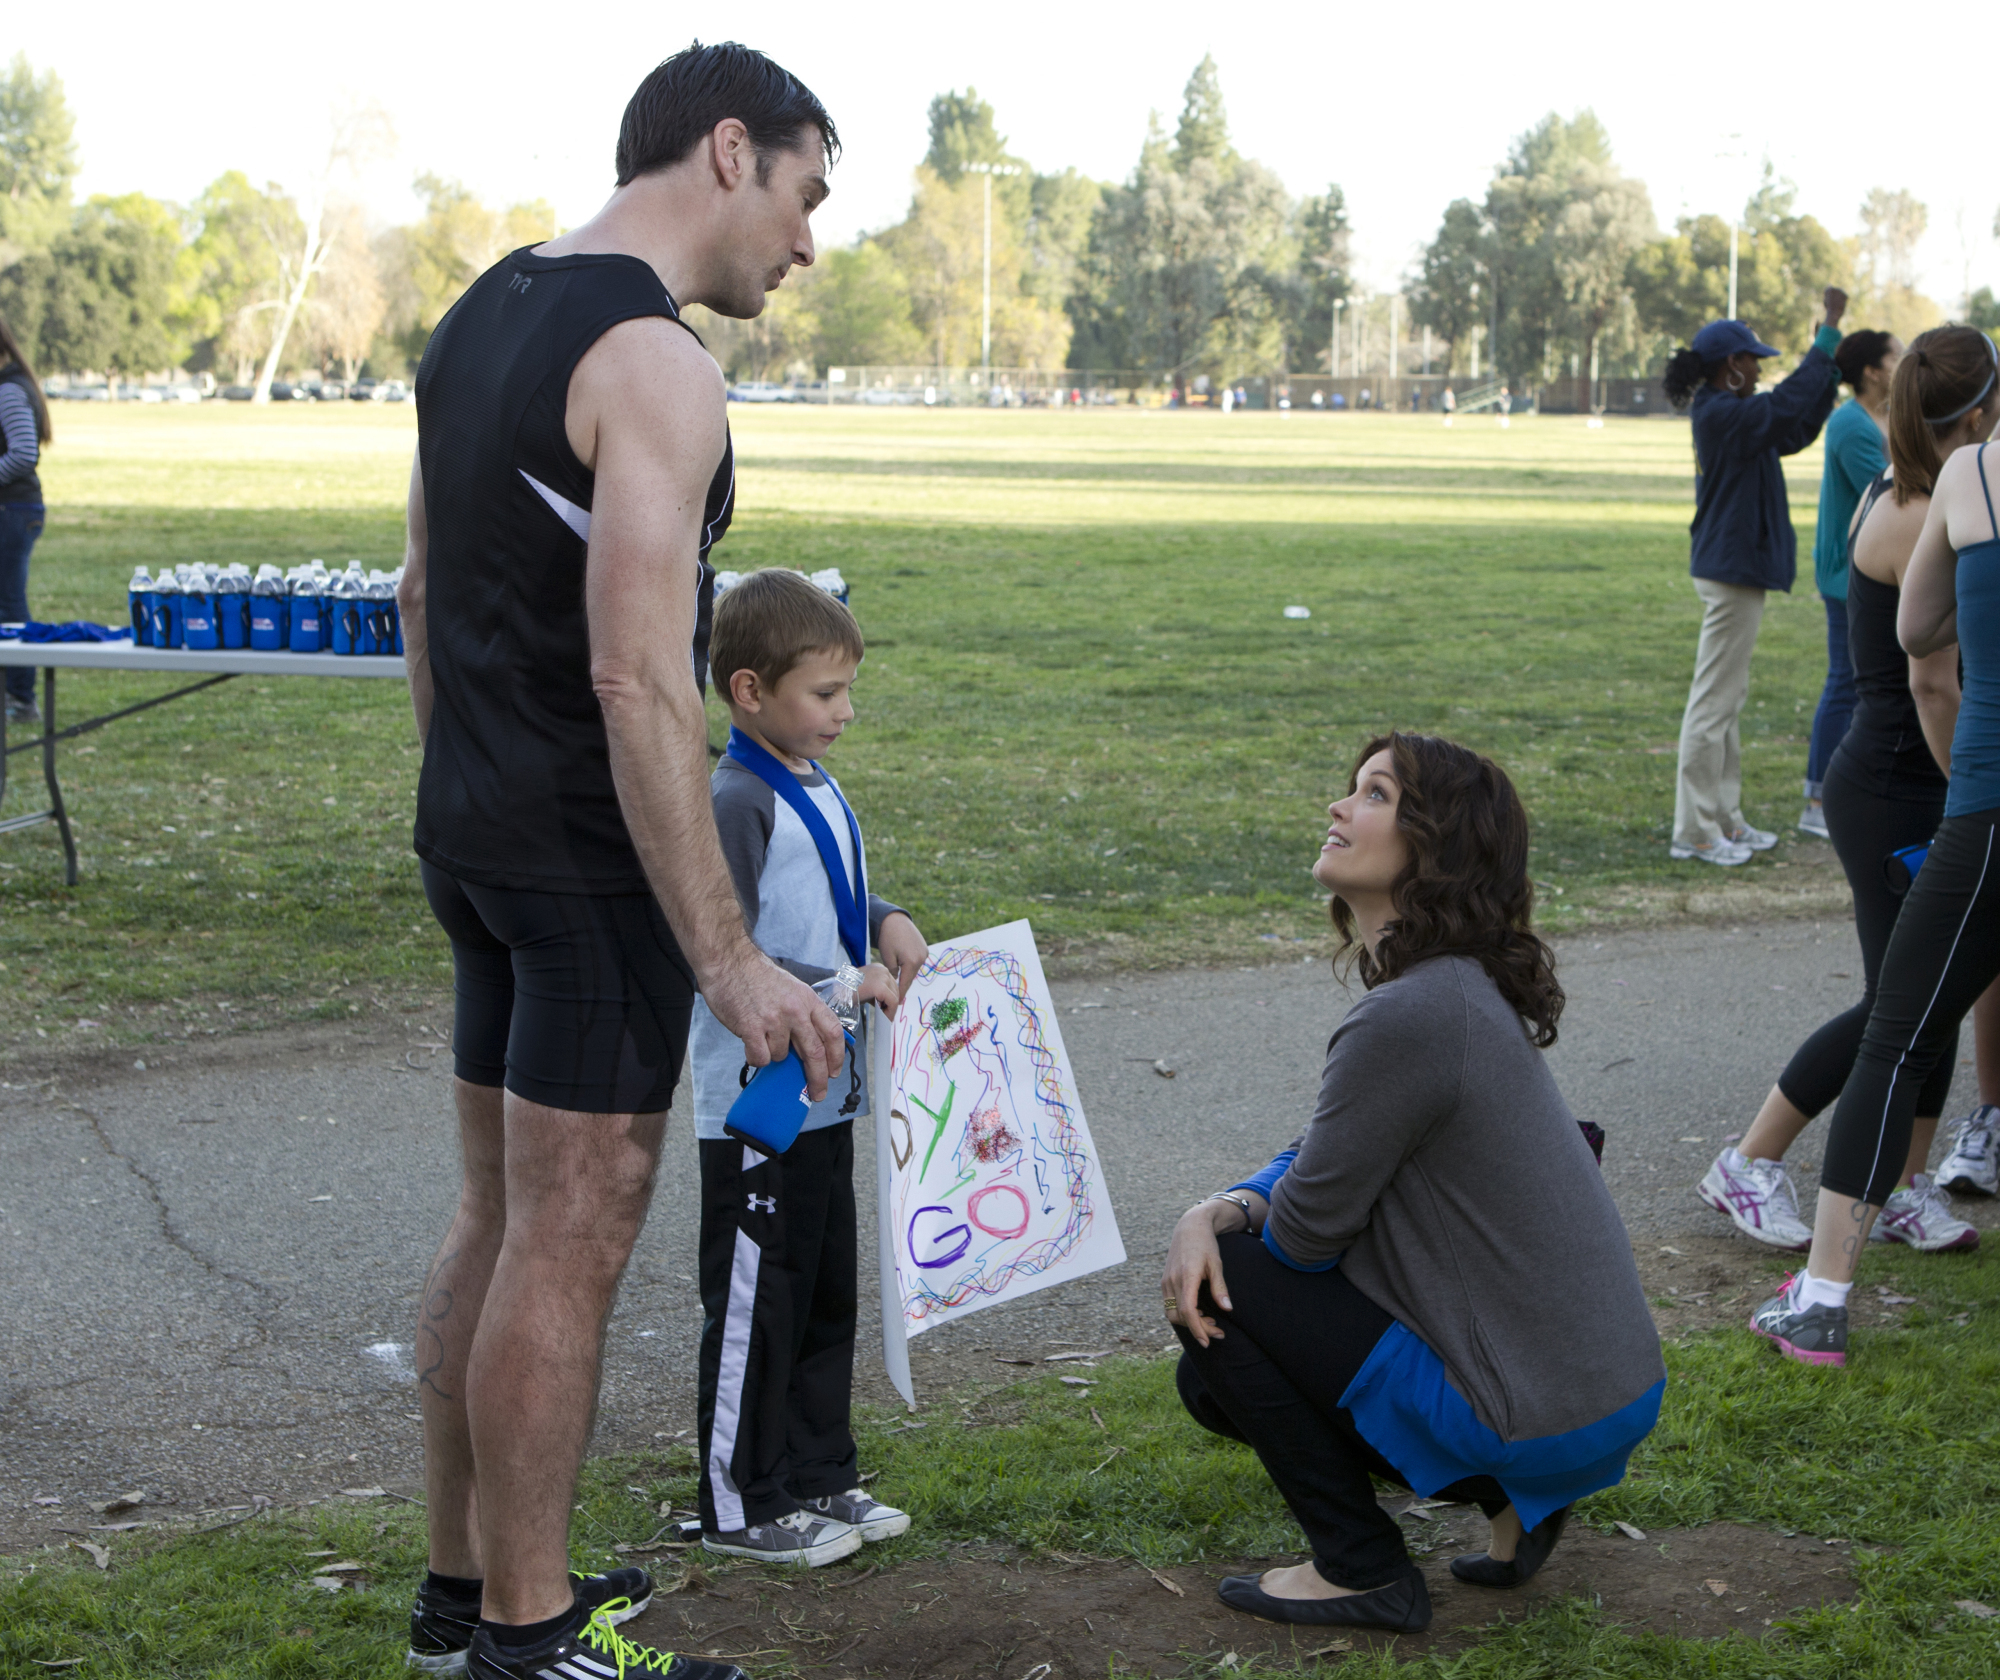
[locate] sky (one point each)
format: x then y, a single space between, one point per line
1406 110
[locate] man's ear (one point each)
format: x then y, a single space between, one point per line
730 154
746 691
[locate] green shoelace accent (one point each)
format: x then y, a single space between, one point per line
632 1657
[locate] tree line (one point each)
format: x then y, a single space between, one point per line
1198 262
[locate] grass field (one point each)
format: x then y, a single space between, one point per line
1083 703
1897 1454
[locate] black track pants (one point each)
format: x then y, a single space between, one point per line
777 1348
1944 952
1865 828
1274 1381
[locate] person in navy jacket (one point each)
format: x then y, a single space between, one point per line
1743 545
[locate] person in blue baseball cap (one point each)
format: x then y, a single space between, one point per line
1743 545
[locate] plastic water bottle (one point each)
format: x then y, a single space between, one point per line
137 597
306 621
232 606
198 630
166 611
773 1107
829 579
267 610
343 612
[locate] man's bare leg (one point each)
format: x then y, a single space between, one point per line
447 1316
577 1189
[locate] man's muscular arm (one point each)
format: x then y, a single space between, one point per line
410 603
646 414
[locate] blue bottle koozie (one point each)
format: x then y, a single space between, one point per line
232 607
166 619
772 1110
198 618
268 611
773 1107
141 609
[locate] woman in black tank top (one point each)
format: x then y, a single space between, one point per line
1883 791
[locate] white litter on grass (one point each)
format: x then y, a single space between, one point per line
395 1355
1298 612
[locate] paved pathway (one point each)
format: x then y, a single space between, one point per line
210 1265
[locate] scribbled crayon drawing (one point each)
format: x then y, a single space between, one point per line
993 1186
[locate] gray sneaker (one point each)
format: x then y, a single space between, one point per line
868 1517
1812 820
1812 1335
1972 1165
1727 853
804 1538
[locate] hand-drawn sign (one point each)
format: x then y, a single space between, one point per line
992 1185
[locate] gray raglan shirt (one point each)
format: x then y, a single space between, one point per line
788 907
1446 1172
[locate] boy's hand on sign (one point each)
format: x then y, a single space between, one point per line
903 951
878 983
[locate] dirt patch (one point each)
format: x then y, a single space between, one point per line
982 1611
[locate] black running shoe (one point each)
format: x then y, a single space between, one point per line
441 1627
596 1650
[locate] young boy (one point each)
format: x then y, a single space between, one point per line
778 1474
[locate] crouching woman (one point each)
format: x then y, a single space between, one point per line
1431 1285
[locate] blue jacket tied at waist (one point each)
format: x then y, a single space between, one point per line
1742 527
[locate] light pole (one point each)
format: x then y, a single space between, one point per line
986 172
1333 357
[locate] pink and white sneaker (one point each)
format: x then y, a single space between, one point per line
1920 1215
1758 1197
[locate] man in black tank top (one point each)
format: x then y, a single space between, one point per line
573 469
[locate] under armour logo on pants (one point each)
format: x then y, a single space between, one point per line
763 1204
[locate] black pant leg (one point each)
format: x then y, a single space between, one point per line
820 1446
1290 1413
1865 827
1944 952
761 1222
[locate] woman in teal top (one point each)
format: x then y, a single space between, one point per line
1854 455
1945 950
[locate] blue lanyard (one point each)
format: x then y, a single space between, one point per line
850 902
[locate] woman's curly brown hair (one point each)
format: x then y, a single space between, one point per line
1465 890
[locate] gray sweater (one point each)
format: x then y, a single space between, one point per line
1444 1167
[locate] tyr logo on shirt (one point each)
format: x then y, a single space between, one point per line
763 1204
520 282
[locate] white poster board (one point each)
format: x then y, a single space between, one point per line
990 1184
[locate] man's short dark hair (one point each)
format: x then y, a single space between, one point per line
682 100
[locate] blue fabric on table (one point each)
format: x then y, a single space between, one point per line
77 630
1408 1411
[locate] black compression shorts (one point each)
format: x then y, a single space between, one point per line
567 1000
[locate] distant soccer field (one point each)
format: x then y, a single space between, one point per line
1083 702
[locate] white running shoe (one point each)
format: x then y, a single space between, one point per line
1972 1164
1921 1217
1758 1197
1725 852
1751 839
1812 820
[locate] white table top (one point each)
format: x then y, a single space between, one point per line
123 656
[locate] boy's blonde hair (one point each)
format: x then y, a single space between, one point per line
773 619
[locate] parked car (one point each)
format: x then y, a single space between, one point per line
238 393
392 390
330 390
282 391
760 391
362 390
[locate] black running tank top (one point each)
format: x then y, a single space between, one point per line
1884 747
516 790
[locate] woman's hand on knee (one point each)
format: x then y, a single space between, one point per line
1194 1262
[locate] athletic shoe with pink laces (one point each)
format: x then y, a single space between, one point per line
1920 1215
1758 1197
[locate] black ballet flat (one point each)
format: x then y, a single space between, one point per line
1529 1555
1401 1607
